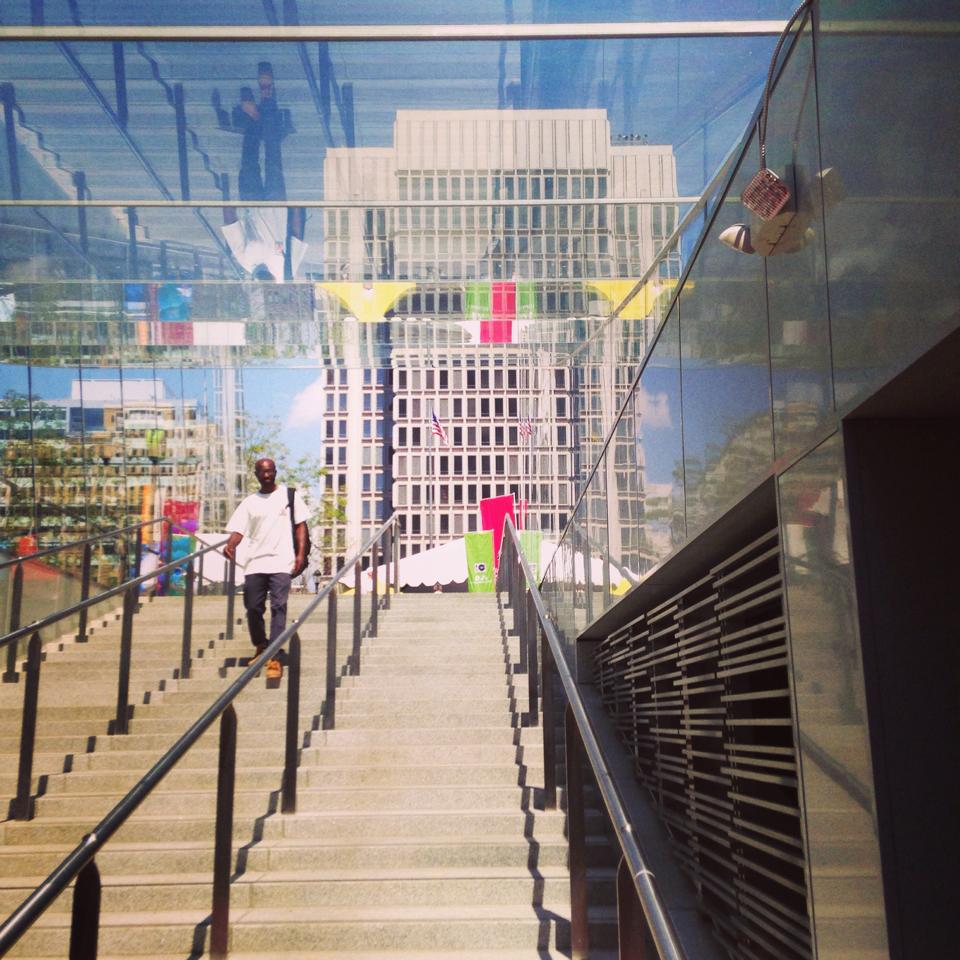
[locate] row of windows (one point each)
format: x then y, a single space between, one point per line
487 407
458 523
466 494
470 437
459 246
505 268
338 403
625 220
520 185
541 464
337 429
337 376
471 378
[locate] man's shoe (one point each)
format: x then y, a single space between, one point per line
274 670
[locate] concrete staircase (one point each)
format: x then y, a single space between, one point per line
417 832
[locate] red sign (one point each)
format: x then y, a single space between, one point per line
184 513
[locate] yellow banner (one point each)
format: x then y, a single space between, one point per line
368 301
642 304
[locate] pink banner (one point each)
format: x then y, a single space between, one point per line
492 513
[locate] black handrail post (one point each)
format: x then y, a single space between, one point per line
387 557
167 556
587 580
223 841
374 591
186 646
549 721
231 587
85 918
357 614
139 554
200 575
531 641
122 721
632 933
520 616
123 559
84 593
16 603
22 806
288 801
576 834
395 542
330 713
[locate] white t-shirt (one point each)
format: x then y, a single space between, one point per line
258 236
264 521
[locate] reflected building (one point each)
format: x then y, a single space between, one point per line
489 227
113 451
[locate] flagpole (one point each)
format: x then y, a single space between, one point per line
530 469
430 484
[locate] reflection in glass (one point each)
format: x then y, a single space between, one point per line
625 485
892 262
253 12
659 442
796 272
843 856
17 451
727 431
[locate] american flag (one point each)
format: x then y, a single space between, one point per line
526 427
436 428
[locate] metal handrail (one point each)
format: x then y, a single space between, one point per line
107 535
80 860
660 926
82 605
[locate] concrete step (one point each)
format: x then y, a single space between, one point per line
395 825
443 928
183 857
326 888
390 851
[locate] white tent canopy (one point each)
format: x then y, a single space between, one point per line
447 563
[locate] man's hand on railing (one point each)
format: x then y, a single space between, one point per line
230 549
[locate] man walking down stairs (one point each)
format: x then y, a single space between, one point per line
417 832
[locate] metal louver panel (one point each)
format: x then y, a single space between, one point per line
698 689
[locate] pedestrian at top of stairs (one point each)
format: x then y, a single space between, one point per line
276 552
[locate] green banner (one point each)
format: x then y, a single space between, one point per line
479 548
477 303
530 545
526 300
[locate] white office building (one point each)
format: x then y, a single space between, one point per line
495 233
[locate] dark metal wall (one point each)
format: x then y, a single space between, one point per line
699 691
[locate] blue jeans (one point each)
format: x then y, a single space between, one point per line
266 130
256 588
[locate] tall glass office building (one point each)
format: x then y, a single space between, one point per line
429 254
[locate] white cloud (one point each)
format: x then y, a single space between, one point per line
654 410
306 408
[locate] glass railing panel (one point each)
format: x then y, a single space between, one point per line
893 286
796 272
566 589
625 485
658 412
727 429
594 546
254 12
561 114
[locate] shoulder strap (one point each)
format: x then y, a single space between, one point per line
293 524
